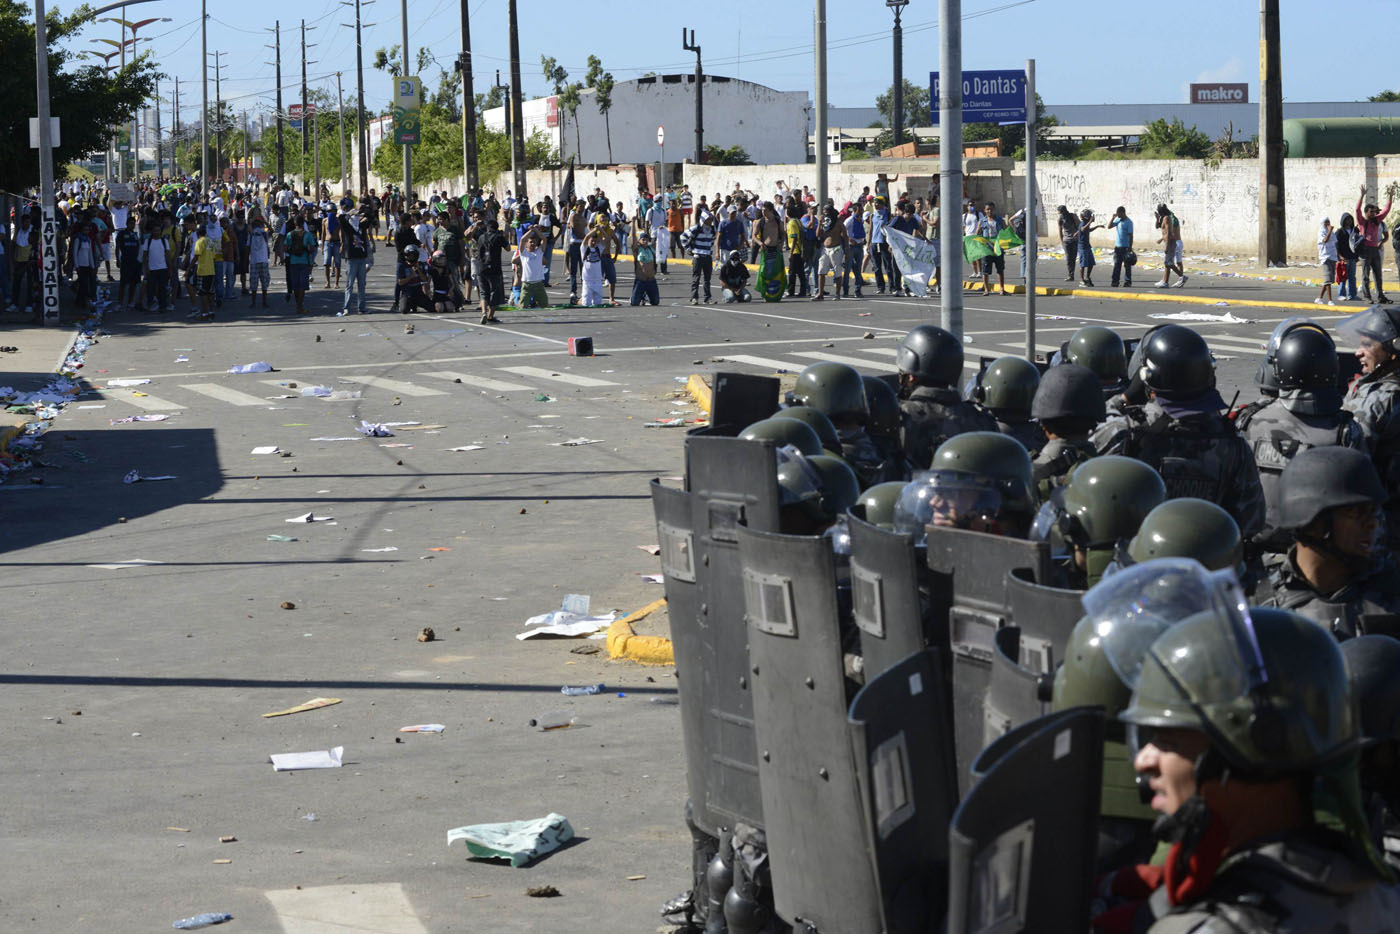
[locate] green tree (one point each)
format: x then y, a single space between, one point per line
1174 140
558 79
496 97
602 84
734 155
77 94
916 104
440 153
1385 97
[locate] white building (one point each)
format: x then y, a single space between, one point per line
770 125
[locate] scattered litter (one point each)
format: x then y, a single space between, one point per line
310 815
586 649
374 430
296 761
416 426
287 605
542 891
652 578
576 442
517 841
99 406
636 878
137 418
316 703
134 476
243 368
468 447
267 449
202 921
426 634
128 382
423 728
554 720
440 548
336 439
541 397
179 829
122 565
222 862
651 549
389 548
1226 318
666 700
228 839
310 517
397 444
665 423
182 359
281 538
581 690
571 620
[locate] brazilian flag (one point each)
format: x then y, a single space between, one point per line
978 247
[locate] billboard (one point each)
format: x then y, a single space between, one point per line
408 102
1219 93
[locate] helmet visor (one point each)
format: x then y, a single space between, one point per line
962 500
799 480
1373 324
1284 326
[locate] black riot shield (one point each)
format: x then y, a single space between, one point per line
1045 616
1023 840
822 875
902 743
974 566
885 595
1015 694
732 483
740 399
674 512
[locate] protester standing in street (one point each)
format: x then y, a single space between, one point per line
1170 228
1122 227
1069 238
1372 241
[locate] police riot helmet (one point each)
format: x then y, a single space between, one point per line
1320 479
1100 349
1305 357
834 389
785 431
878 503
1379 324
1176 363
1069 391
821 487
883 402
931 355
978 477
1189 528
1373 667
815 420
1108 498
1007 386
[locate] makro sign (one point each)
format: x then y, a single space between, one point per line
1220 93
987 97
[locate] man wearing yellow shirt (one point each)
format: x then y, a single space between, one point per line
205 252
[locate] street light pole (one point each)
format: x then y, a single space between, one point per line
407 149
897 122
819 37
203 95
950 165
48 237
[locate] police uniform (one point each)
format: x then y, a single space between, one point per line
1056 461
932 415
1199 455
1373 400
860 451
1373 592
1027 432
1276 430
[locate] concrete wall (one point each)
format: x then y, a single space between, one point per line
1218 207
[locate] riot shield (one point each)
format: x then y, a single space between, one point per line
740 399
1045 616
1023 840
822 875
1015 695
732 483
902 743
884 595
974 566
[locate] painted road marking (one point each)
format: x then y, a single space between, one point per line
394 385
223 394
850 361
144 401
342 909
480 381
569 378
766 363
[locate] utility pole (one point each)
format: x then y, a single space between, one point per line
247 150
277 46
1273 232
204 95
361 130
407 149
48 236
464 64
1029 247
316 158
506 88
690 46
157 110
218 113
898 103
174 126
819 39
517 136
304 114
340 109
950 102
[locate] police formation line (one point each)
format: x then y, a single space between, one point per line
1074 648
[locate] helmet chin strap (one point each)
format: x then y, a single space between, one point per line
1328 546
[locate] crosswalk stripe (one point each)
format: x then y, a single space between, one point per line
323 909
1241 343
849 361
569 378
394 385
144 401
767 363
223 394
478 381
882 351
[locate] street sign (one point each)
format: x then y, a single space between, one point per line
34 132
661 136
48 265
987 96
408 124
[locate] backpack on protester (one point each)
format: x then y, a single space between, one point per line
296 245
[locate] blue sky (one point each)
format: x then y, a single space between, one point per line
1129 52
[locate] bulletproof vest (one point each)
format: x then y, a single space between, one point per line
858 449
934 414
1344 614
1385 445
1196 456
1055 462
1027 432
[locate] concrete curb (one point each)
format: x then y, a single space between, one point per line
648 650
1170 296
700 390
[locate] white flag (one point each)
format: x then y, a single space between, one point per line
917 259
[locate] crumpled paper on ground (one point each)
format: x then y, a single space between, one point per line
519 841
374 430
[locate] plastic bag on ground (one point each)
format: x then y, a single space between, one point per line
519 841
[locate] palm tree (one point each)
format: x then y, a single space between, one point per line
602 84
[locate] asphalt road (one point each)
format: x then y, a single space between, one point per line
134 694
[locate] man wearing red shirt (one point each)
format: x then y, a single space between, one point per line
1369 253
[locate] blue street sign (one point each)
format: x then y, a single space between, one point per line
988 96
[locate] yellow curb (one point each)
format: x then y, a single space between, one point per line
1173 297
11 427
700 390
648 650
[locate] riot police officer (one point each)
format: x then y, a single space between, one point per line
815 491
1375 397
1182 434
1005 390
1235 718
1304 411
1337 573
785 431
1068 404
838 392
1373 668
1105 502
876 504
930 362
1188 528
980 481
1099 350
884 426
817 421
